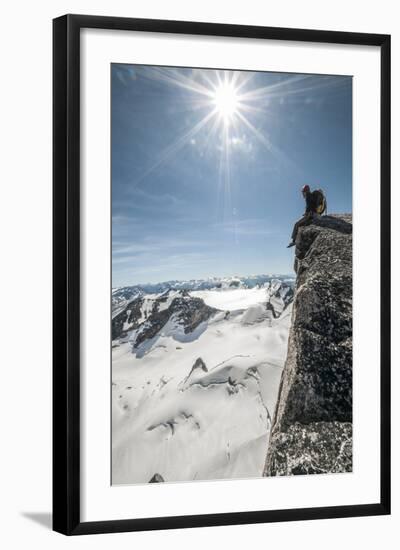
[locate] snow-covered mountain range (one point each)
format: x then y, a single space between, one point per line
121 295
195 373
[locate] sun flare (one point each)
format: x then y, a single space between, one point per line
226 101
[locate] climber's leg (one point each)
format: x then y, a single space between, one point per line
305 220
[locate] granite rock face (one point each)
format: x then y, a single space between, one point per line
312 425
315 448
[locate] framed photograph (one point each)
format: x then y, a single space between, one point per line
221 274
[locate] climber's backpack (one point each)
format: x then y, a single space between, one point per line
319 201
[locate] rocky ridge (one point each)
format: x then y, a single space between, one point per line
312 425
147 316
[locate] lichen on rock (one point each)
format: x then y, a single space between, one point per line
315 448
311 430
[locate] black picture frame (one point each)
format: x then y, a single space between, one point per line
66 272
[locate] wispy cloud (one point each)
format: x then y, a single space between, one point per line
150 245
131 269
247 227
164 199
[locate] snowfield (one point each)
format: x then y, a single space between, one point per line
231 299
198 404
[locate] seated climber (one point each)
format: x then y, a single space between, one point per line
315 206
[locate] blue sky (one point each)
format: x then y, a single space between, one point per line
207 167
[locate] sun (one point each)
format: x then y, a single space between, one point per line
226 101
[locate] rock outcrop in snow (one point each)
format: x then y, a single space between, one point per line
312 425
157 479
148 315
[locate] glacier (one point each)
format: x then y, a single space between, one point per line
195 376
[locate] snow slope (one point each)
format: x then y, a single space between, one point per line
198 405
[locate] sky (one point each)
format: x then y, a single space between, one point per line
207 167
